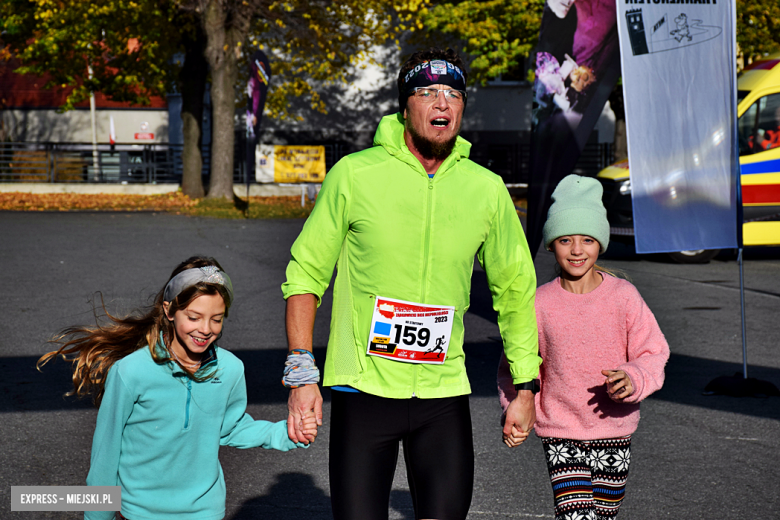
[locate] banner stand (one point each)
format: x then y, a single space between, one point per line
740 385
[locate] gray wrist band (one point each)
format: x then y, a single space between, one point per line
299 369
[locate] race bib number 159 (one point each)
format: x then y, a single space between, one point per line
410 332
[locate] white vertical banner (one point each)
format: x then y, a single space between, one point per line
679 85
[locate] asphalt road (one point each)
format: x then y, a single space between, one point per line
694 456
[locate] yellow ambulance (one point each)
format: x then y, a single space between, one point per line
758 129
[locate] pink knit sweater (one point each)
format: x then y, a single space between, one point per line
609 328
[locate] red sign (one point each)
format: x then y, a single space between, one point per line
144 135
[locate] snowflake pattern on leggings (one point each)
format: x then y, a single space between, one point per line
588 477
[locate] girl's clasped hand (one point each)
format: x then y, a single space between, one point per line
308 425
515 438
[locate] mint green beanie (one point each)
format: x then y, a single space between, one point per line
577 210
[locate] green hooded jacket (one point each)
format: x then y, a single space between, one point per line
392 231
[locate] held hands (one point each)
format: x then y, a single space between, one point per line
305 413
515 437
308 426
520 419
619 385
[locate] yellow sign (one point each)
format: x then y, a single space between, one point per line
290 163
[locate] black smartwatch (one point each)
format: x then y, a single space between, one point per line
532 385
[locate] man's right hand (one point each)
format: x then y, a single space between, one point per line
299 321
302 400
520 419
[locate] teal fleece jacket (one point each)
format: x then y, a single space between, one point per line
395 232
158 435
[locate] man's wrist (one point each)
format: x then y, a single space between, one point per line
533 386
300 369
300 386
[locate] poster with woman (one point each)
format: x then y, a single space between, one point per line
577 63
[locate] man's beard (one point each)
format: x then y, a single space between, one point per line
431 149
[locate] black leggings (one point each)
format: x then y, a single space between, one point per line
438 451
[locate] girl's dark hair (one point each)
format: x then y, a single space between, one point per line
94 350
434 53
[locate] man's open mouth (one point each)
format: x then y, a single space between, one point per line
440 122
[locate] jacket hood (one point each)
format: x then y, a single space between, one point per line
390 136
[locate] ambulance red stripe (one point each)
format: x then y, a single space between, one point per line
761 194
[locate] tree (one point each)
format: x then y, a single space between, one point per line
123 49
758 28
310 43
65 40
496 34
192 85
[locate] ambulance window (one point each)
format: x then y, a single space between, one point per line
742 94
746 127
768 133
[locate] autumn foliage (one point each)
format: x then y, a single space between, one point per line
257 207
76 201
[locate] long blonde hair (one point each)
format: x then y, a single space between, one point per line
611 271
92 351
617 273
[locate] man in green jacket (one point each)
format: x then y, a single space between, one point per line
402 222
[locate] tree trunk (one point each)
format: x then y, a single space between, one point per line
192 80
223 62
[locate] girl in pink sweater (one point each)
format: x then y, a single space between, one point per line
603 353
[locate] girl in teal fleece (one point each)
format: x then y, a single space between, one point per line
168 398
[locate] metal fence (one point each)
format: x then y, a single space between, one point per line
162 163
75 163
513 161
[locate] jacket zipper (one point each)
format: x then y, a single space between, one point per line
426 243
426 251
187 407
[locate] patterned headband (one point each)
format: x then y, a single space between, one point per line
190 277
432 73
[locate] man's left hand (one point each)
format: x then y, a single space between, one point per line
520 418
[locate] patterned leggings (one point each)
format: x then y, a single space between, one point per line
588 477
